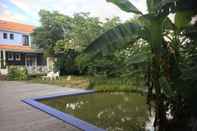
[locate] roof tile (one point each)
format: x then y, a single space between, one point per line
17 27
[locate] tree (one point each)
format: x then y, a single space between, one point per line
64 36
83 30
163 70
111 23
54 26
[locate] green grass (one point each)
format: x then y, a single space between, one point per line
75 81
115 84
102 84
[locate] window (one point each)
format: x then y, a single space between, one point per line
25 40
10 56
5 35
18 57
11 36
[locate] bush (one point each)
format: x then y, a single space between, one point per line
108 66
66 64
17 73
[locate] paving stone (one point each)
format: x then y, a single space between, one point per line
18 116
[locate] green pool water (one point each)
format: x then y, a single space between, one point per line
111 111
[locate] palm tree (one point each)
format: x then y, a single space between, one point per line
151 28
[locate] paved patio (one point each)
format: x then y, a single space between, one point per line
18 116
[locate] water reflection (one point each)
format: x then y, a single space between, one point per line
111 111
76 105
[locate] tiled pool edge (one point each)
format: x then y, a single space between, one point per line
67 118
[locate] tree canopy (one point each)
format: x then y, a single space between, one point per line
58 32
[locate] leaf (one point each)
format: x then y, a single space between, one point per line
183 18
185 10
188 74
125 5
138 59
167 24
114 39
151 4
164 7
154 24
164 3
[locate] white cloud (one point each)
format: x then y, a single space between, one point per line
98 8
5 14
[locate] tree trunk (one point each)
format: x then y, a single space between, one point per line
160 114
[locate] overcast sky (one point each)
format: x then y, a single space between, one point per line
26 11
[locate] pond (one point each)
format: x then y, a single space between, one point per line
111 111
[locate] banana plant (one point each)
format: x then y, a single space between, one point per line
151 28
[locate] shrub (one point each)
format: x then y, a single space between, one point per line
66 64
17 73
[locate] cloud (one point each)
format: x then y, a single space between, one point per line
5 14
97 8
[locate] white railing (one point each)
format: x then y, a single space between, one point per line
4 71
37 69
32 70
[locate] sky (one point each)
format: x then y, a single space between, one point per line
26 11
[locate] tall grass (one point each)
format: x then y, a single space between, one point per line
99 83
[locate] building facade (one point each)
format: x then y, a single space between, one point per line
16 49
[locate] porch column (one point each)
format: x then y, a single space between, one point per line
36 66
4 58
36 62
0 59
29 41
48 65
25 60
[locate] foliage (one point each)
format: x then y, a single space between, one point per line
103 66
99 83
167 62
17 73
75 32
65 63
125 5
110 23
53 28
83 31
118 37
65 37
114 84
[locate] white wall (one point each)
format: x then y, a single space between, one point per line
16 41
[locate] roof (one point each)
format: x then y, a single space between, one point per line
16 27
18 48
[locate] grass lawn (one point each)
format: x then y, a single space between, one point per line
74 81
90 82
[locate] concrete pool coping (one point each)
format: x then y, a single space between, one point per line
65 117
